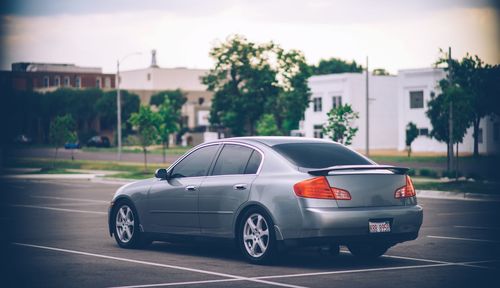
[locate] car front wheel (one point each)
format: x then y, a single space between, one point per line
257 239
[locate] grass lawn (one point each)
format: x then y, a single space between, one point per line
460 186
135 149
126 169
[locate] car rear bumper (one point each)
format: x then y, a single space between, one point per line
351 224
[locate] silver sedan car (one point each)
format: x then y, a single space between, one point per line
271 192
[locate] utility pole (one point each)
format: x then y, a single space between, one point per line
367 148
119 111
450 118
119 103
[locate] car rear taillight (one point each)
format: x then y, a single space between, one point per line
320 188
406 191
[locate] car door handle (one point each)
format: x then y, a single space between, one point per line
240 186
191 188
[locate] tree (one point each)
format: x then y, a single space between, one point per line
251 79
438 112
177 98
61 130
380 72
411 135
145 121
106 108
339 126
266 126
168 124
479 81
335 65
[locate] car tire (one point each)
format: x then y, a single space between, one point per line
125 226
368 250
257 242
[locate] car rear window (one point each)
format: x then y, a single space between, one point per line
320 155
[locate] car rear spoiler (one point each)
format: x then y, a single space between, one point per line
325 171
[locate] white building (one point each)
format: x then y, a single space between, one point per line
334 89
151 80
415 89
394 102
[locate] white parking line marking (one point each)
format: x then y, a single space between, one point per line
72 199
466 213
58 209
235 277
178 283
463 239
468 264
477 227
377 269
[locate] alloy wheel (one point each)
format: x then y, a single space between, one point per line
256 235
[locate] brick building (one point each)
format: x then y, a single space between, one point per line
27 76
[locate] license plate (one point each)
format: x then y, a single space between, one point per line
378 227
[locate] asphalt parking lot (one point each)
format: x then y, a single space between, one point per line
55 235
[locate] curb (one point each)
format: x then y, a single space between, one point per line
433 194
51 176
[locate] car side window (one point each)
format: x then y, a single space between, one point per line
253 163
233 159
195 164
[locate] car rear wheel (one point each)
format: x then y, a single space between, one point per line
126 226
368 250
257 239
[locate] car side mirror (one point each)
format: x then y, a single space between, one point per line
161 173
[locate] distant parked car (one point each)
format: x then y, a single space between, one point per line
72 145
23 139
98 141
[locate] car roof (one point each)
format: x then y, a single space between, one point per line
274 140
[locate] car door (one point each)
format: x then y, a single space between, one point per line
173 203
226 188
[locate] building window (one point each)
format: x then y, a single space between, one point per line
57 81
423 132
201 100
98 82
336 101
480 135
496 131
318 131
416 99
66 81
46 81
318 105
107 82
78 82
149 76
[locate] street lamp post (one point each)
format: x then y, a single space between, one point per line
119 104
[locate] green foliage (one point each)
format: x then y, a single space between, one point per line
106 107
146 122
480 82
335 65
177 98
380 72
168 123
438 112
411 135
251 79
339 126
61 130
266 126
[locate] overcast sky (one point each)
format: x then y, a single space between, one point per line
394 34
